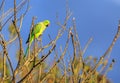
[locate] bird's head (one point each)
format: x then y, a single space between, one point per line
46 23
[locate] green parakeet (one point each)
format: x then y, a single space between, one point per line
37 31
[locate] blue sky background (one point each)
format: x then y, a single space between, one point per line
94 18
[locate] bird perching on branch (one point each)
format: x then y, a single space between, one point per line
37 31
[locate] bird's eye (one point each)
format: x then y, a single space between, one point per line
47 25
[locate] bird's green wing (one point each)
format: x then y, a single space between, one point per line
36 29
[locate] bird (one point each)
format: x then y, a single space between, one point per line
37 31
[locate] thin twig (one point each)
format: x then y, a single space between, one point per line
3 43
13 39
50 51
86 46
7 13
21 20
78 46
2 4
74 51
104 55
61 57
20 40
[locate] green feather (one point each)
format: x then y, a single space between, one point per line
26 51
37 30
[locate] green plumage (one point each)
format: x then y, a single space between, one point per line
37 31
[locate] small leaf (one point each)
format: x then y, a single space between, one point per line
12 29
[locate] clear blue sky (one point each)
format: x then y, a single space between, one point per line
94 18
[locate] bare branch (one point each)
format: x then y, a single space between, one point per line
89 41
5 53
20 40
7 13
74 51
104 55
2 4
61 57
21 20
50 51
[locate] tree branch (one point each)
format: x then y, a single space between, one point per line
50 51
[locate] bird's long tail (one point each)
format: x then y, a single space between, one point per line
26 52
